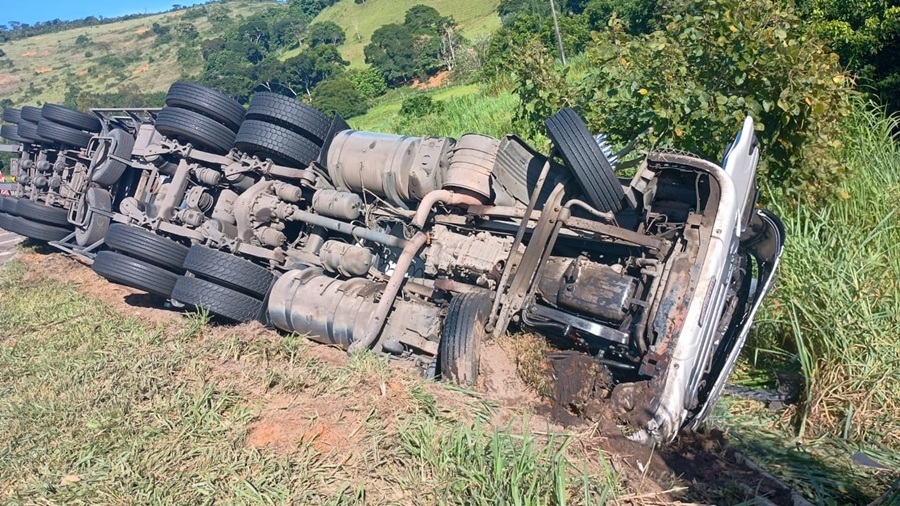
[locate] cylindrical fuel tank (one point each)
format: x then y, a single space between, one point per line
379 163
329 310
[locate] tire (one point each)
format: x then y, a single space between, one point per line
62 134
585 160
11 115
128 271
50 215
5 221
28 131
229 271
71 118
291 114
189 126
9 204
32 114
109 171
147 246
36 231
11 132
460 347
208 102
278 143
218 300
97 224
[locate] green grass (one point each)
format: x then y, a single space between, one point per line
360 20
467 109
835 312
62 62
97 406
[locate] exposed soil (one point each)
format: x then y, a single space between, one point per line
697 467
434 81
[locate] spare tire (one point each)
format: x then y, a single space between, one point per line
71 118
291 114
459 351
208 102
32 114
96 226
11 115
62 134
585 160
109 171
283 146
188 126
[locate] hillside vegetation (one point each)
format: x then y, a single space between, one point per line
474 18
102 58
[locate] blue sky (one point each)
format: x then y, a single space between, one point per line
30 11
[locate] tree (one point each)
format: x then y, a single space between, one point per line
304 71
393 52
326 32
339 96
368 82
426 20
288 32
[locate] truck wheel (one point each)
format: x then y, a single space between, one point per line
208 102
228 270
461 336
28 131
8 204
216 299
32 114
45 214
5 221
128 271
585 159
291 114
109 172
97 224
35 230
62 134
11 115
188 126
278 143
71 118
11 132
147 246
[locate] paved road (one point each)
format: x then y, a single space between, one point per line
8 241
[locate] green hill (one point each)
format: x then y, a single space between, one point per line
102 58
360 20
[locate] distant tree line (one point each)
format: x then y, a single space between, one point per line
14 30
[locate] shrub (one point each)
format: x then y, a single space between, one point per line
692 85
416 106
369 82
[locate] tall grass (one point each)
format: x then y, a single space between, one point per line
475 111
836 307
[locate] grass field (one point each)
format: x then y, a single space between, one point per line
43 66
360 20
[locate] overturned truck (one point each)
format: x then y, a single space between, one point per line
424 248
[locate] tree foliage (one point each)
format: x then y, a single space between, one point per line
866 35
326 32
693 84
339 95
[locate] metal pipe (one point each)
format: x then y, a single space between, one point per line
406 257
390 292
443 196
346 228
